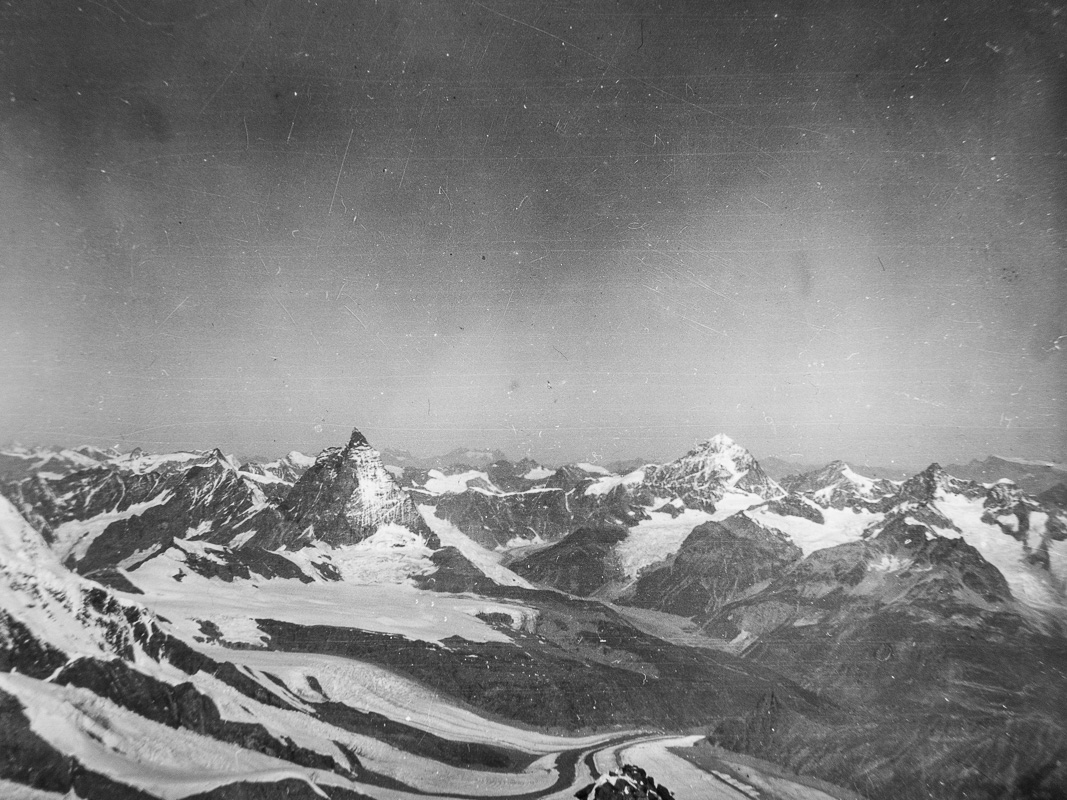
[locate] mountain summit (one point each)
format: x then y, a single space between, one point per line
837 485
703 475
347 494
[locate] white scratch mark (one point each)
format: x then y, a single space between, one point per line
344 158
354 314
175 311
407 161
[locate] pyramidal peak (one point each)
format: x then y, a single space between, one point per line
358 440
933 480
708 470
347 494
723 456
720 441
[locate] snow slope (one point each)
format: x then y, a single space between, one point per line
383 607
655 539
488 561
840 527
1040 589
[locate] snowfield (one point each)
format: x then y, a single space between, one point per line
651 541
439 483
604 485
74 537
167 762
841 527
367 599
1041 590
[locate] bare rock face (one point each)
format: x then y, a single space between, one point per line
579 564
629 783
716 564
549 510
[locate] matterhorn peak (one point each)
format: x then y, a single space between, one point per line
357 440
348 494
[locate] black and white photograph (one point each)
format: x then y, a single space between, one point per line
533 399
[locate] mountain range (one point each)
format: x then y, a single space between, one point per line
183 625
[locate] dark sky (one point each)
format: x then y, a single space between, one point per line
576 230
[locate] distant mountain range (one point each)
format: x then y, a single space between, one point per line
1033 476
461 456
364 625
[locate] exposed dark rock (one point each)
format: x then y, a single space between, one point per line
715 564
21 651
454 573
580 563
670 507
629 783
923 488
510 477
793 506
84 493
211 496
890 628
285 789
548 513
113 579
597 672
1055 496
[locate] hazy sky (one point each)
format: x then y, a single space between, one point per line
567 229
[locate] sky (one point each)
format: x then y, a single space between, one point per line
569 230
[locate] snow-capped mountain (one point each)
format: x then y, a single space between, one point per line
515 505
453 460
703 475
287 469
18 462
838 486
343 498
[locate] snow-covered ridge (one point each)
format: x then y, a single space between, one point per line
712 468
438 482
1035 463
59 607
73 538
593 468
609 482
